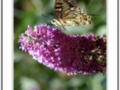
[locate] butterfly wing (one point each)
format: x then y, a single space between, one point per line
81 14
75 17
61 6
70 18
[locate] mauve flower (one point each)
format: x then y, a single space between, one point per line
70 54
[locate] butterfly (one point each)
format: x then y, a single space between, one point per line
68 14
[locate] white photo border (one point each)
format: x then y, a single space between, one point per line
7 45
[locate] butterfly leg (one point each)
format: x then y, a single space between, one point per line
66 30
57 26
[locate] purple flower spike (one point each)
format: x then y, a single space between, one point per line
69 54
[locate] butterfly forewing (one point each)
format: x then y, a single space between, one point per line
61 6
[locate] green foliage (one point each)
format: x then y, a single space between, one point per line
28 73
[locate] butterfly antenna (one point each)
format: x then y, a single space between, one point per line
46 16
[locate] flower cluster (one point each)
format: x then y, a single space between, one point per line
70 54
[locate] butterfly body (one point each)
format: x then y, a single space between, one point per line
68 14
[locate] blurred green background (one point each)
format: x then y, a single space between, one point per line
28 73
